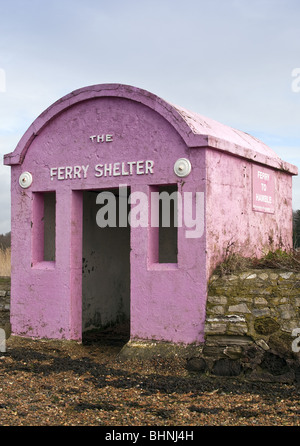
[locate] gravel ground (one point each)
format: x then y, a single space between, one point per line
53 383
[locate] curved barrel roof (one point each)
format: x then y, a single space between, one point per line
196 130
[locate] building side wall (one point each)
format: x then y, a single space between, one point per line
232 224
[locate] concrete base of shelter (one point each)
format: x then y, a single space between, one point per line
146 349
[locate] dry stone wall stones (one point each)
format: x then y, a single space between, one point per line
268 305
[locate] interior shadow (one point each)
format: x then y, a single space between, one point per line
116 335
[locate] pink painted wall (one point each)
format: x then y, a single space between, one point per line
167 301
230 217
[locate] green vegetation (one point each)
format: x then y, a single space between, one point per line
285 260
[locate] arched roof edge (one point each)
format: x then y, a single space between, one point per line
154 102
196 131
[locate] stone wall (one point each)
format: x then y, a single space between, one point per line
251 319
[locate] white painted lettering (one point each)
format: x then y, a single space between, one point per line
264 198
107 169
69 171
131 164
77 170
149 166
99 170
101 138
60 175
116 171
263 175
53 172
140 167
85 169
263 187
124 172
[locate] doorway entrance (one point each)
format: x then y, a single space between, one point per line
105 267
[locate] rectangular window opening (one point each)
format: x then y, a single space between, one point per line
43 227
163 239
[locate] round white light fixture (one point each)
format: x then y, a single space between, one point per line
25 180
182 167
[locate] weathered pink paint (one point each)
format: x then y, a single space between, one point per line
167 301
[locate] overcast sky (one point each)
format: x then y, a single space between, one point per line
231 60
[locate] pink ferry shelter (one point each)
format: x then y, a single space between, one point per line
107 153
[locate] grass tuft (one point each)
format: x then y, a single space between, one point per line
278 259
